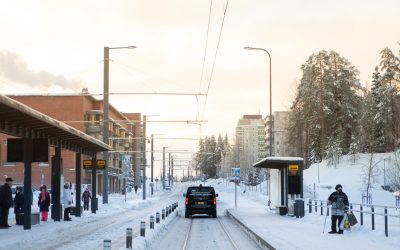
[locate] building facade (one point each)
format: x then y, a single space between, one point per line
250 140
280 141
84 113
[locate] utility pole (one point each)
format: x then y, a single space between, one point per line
169 168
144 161
172 169
163 172
105 123
152 161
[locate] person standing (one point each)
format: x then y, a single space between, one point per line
340 205
44 202
86 196
67 199
6 202
19 206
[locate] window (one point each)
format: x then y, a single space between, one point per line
9 164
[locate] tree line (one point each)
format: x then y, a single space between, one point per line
333 114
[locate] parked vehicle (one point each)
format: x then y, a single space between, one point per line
200 200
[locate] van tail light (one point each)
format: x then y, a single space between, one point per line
215 201
187 201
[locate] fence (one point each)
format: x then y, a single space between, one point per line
362 209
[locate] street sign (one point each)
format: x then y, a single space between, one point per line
235 173
101 164
87 164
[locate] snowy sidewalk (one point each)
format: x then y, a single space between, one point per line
285 232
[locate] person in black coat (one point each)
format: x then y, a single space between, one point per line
44 202
86 196
340 206
6 202
19 206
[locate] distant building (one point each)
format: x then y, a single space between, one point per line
280 142
84 113
250 140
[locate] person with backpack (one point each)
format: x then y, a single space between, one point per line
340 206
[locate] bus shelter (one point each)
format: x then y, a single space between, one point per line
36 132
286 180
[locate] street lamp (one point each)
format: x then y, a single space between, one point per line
152 161
270 111
105 116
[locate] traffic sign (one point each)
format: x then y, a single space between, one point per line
235 173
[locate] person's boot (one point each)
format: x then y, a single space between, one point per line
332 232
340 232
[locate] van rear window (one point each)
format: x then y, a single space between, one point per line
200 191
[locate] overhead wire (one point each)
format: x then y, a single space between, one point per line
215 58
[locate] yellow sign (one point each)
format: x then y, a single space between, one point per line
293 167
101 164
87 164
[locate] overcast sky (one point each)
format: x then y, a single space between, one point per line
49 46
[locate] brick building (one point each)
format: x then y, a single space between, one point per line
84 113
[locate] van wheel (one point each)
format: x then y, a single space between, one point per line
186 214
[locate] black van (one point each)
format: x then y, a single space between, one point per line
200 200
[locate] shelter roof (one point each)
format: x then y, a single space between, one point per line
278 162
19 120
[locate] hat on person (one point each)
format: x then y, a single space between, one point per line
338 186
9 179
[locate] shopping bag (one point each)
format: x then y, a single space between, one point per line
352 218
344 224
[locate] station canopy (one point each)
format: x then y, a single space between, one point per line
19 120
275 162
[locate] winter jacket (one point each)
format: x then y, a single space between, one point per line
6 200
45 204
67 199
19 203
86 196
340 203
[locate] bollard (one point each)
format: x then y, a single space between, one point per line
386 223
173 207
372 217
107 245
309 206
163 214
361 215
129 237
170 209
178 206
316 206
157 217
151 222
327 210
322 208
142 228
166 211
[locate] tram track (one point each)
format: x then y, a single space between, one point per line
187 241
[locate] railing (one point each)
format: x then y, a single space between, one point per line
373 210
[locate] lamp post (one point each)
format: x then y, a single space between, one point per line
105 116
270 112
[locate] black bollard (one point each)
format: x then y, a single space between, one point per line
166 211
151 222
142 228
163 214
107 245
157 217
129 238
